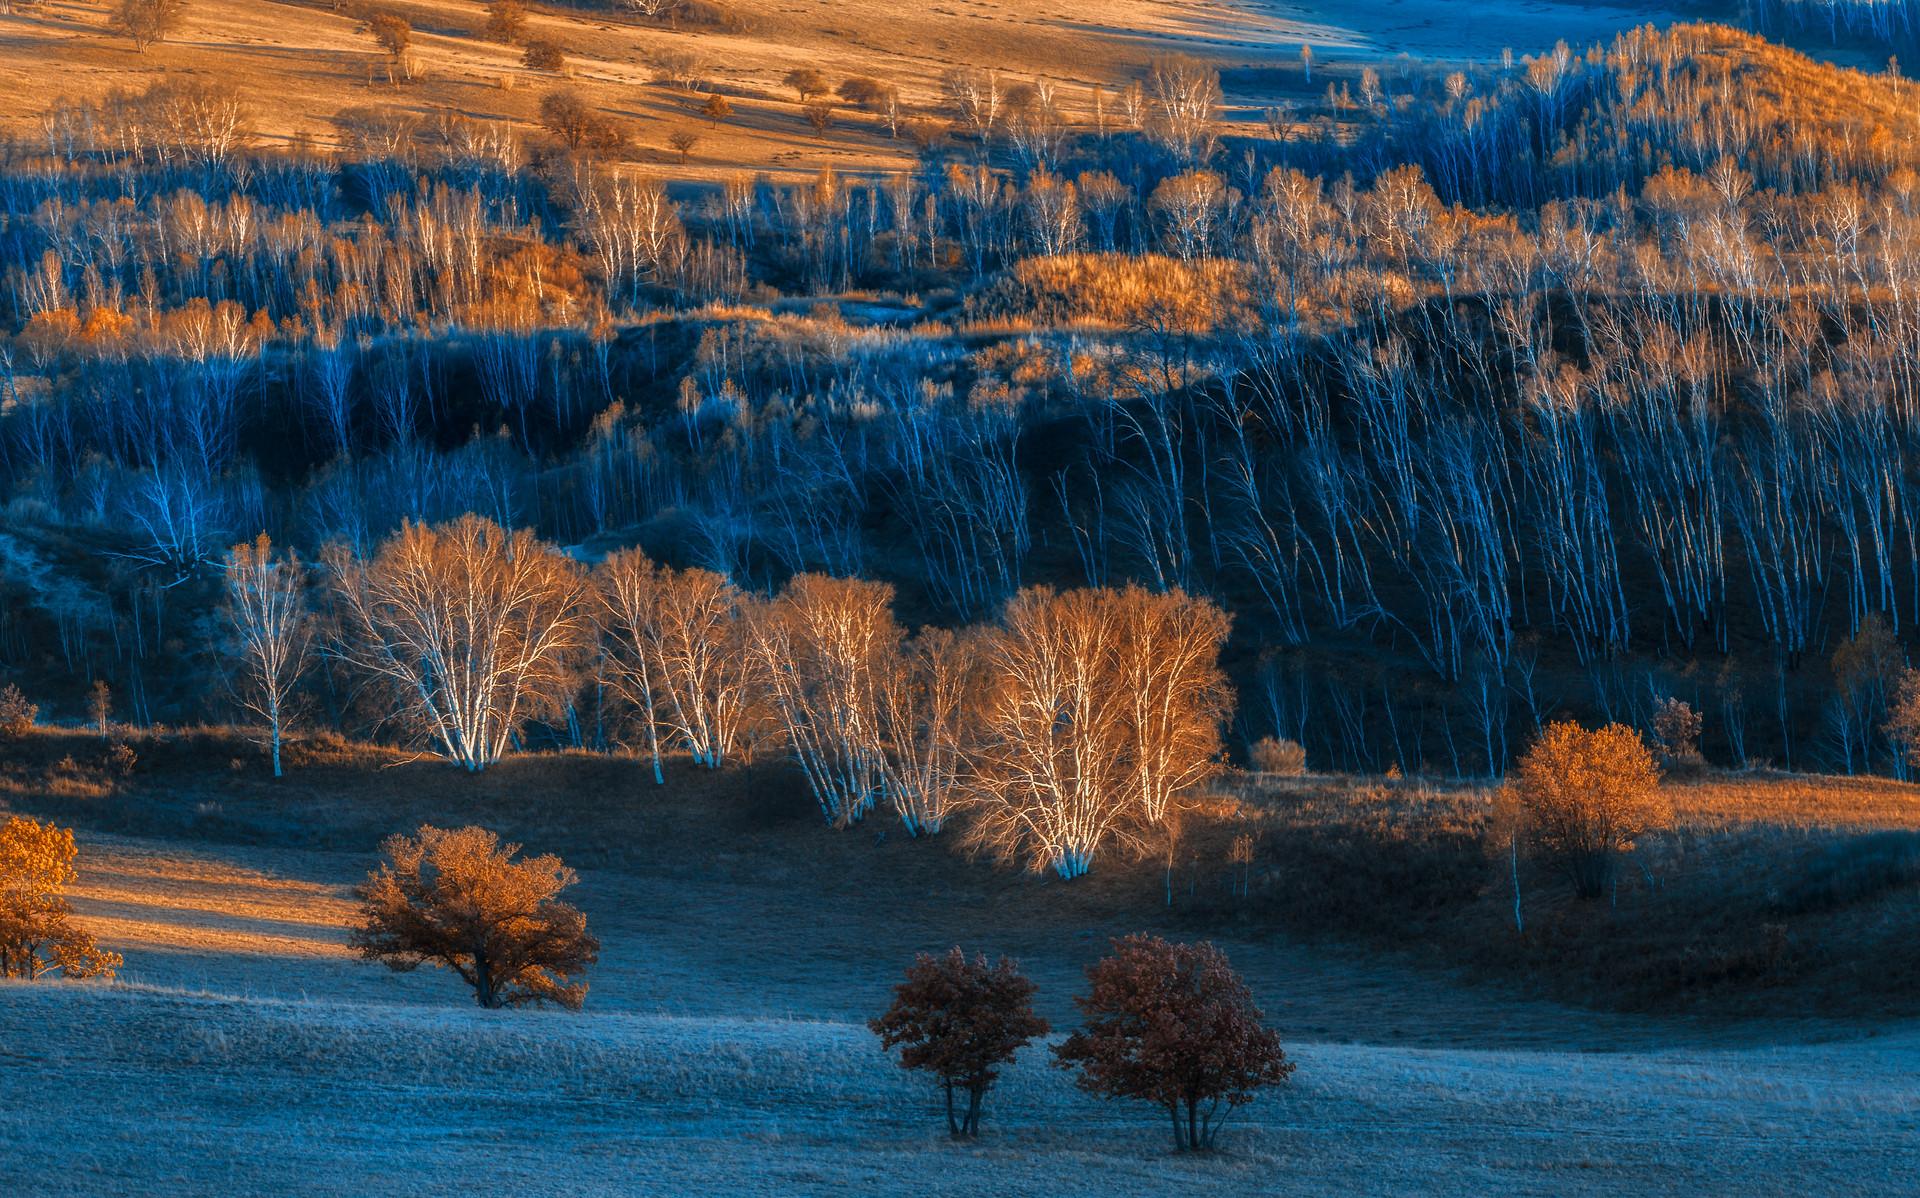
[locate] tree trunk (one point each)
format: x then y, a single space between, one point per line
953 1127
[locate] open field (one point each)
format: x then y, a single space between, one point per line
301 64
744 945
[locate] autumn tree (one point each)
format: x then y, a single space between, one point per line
271 632
17 713
148 21
819 115
393 33
683 140
1586 797
578 126
506 20
960 1020
716 109
1173 1024
466 629
37 933
544 56
806 83
458 899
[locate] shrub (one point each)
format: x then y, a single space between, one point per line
37 934
1586 797
458 899
544 56
683 141
1676 732
1173 1024
1280 756
960 1019
16 713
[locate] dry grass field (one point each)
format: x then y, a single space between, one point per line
300 64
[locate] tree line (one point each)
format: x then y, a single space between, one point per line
1079 721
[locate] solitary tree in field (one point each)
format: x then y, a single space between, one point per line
469 630
37 933
578 126
806 83
506 20
717 108
683 141
960 1020
1586 797
272 631
1173 1024
148 21
394 34
458 899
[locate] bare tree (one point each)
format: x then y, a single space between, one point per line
271 630
148 21
467 629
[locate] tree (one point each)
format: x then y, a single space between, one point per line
544 56
826 647
266 611
17 713
806 83
1586 797
1676 731
717 108
578 126
37 935
456 898
506 20
1173 1024
683 141
1183 102
959 1020
467 628
393 33
100 705
1101 712
148 21
819 114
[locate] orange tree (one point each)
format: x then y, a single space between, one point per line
1175 1025
1586 797
37 934
458 899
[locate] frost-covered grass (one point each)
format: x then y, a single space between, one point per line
147 1090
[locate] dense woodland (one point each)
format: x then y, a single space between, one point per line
1449 404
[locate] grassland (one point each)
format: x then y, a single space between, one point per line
722 1050
301 65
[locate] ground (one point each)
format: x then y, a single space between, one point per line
722 1048
300 64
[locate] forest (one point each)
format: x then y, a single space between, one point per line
1572 385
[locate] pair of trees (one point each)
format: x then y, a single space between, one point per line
37 932
1171 1024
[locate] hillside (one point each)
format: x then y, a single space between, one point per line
302 64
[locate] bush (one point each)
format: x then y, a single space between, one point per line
1175 1025
1676 733
544 56
506 20
459 900
806 83
1280 756
958 1020
16 713
1585 797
